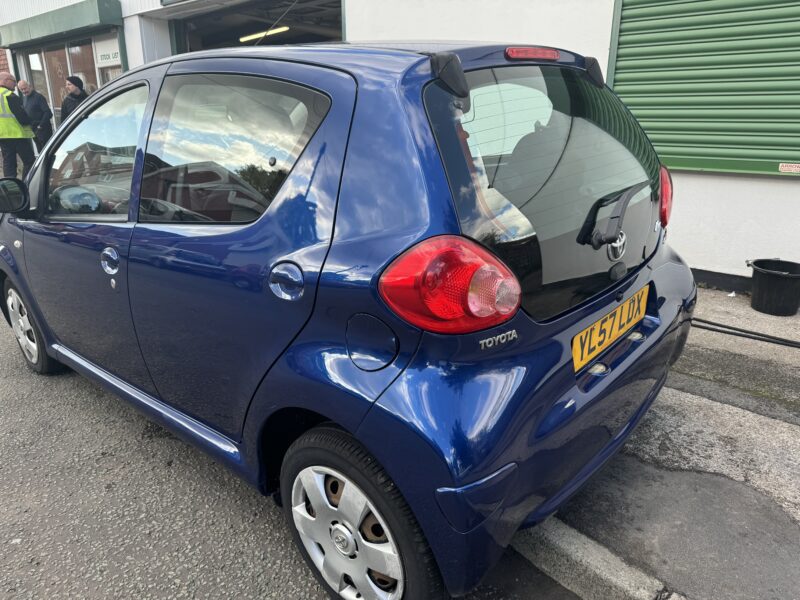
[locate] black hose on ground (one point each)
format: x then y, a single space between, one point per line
744 333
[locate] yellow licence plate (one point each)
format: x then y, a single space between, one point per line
601 334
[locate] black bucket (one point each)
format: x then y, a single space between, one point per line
776 286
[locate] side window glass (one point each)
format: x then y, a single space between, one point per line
221 146
91 170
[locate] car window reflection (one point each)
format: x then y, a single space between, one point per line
92 168
222 146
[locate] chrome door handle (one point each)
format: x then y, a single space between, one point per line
109 260
286 281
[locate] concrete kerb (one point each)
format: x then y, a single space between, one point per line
585 567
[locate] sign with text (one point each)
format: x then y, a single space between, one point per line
106 52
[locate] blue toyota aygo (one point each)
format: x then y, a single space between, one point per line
418 293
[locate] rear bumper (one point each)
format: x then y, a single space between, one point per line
483 445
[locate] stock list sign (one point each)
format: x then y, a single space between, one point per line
106 52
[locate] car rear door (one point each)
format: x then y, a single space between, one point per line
236 209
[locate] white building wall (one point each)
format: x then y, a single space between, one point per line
15 10
719 221
583 26
134 7
146 39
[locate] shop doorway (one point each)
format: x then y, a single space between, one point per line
261 23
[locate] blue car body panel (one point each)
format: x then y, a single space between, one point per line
480 443
184 275
475 416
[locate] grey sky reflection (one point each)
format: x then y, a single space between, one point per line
234 121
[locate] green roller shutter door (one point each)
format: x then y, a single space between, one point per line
715 83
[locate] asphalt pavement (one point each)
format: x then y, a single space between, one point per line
98 502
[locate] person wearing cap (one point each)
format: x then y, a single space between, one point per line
75 95
39 111
15 129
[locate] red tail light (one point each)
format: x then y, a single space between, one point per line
532 53
449 284
666 196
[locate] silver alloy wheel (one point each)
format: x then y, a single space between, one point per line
345 536
22 326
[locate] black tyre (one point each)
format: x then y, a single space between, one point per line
28 334
352 526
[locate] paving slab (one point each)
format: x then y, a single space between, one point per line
717 306
704 535
776 382
687 432
776 408
705 498
749 369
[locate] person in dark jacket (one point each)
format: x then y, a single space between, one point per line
75 95
15 129
39 111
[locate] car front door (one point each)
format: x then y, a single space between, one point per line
238 194
76 249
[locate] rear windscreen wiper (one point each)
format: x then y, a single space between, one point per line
589 235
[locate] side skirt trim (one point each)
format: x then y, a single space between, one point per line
190 429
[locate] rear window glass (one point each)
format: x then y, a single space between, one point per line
535 156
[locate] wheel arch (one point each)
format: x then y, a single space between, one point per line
279 432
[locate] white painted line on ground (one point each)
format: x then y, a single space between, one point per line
583 566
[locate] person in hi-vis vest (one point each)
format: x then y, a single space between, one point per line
15 129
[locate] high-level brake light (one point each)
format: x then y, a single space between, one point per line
532 53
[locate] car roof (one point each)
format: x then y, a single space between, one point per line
358 58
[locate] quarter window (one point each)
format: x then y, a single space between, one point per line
91 170
221 146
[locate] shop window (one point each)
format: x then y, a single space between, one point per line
81 57
109 73
55 61
35 68
95 60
